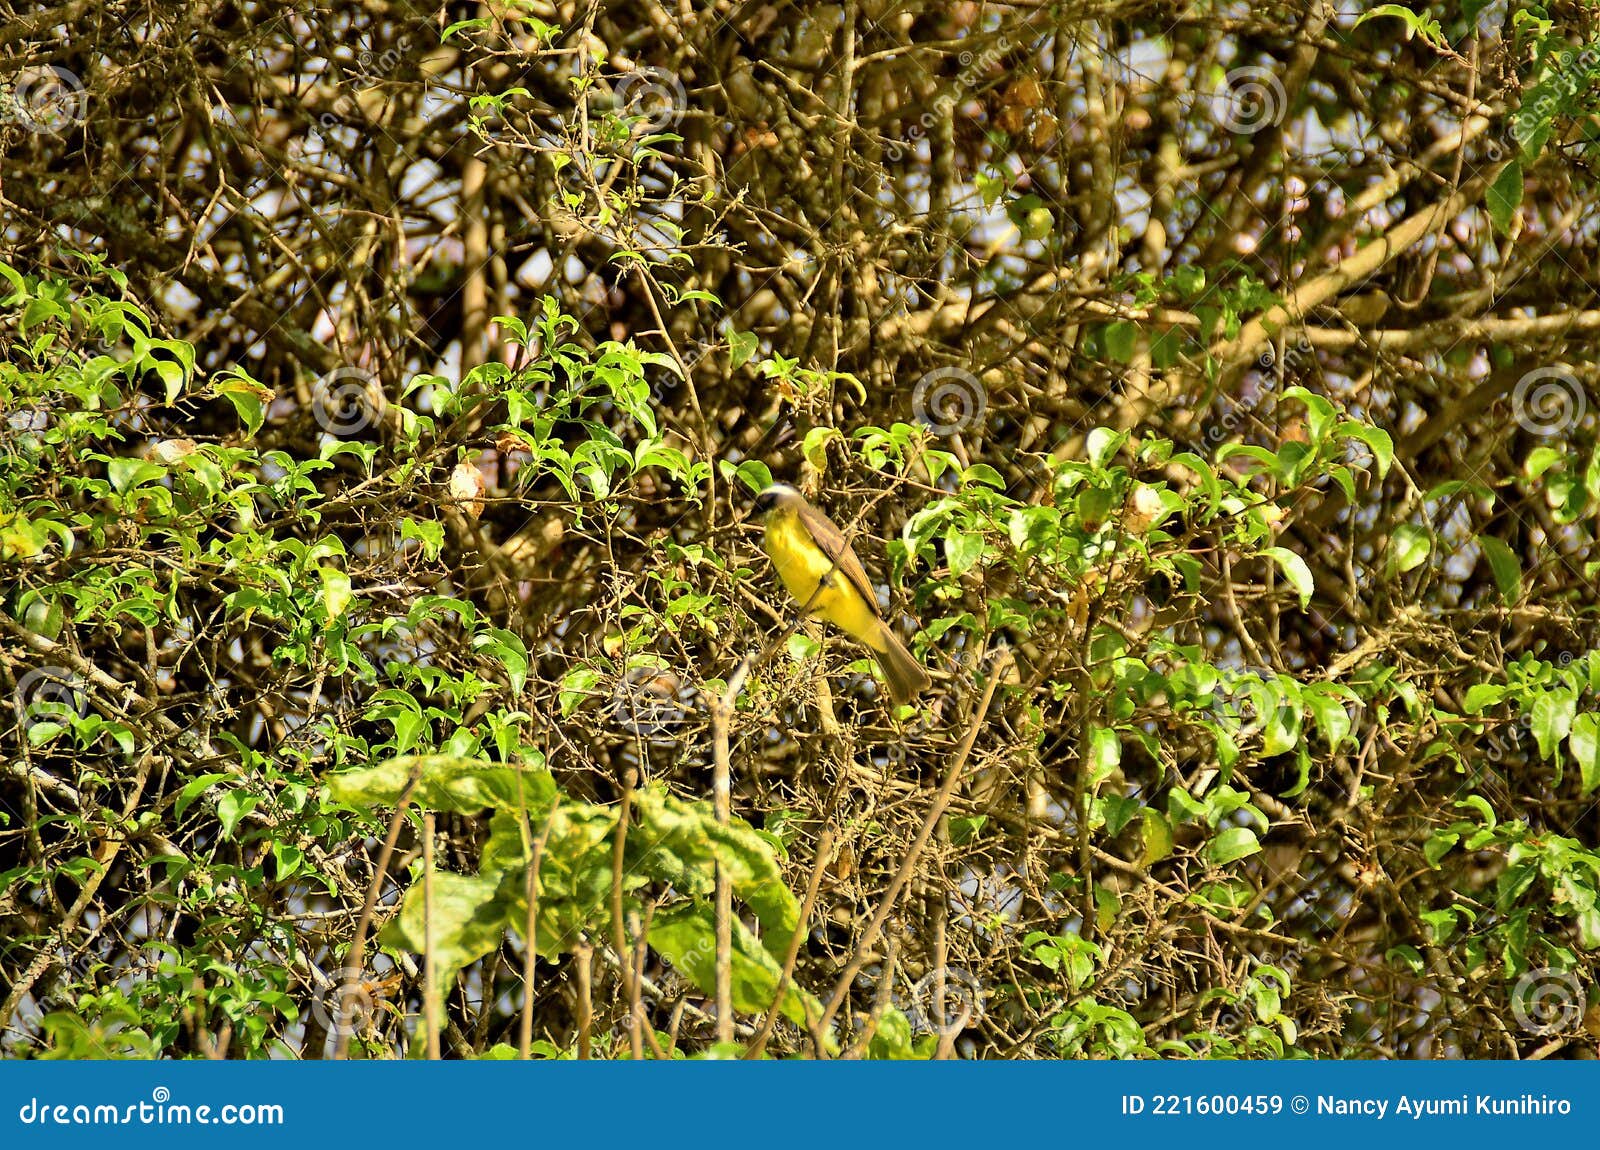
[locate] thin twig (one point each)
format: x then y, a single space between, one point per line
758 1044
355 957
619 933
941 800
430 989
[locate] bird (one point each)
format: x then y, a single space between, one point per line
817 566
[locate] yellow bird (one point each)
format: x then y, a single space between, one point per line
823 574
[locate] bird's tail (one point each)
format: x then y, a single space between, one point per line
901 671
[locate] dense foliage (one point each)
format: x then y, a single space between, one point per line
394 671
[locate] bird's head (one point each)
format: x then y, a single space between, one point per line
774 496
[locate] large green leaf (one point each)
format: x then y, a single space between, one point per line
468 921
446 783
1231 845
575 873
1504 566
1408 548
678 842
686 937
1551 719
1584 742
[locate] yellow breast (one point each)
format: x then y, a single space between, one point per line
802 565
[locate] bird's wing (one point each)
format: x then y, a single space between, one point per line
833 545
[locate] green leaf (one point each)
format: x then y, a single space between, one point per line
1295 570
1505 196
1105 753
336 594
1157 833
686 937
1103 443
742 347
963 549
1481 696
194 788
247 406
1408 548
964 829
1541 460
1120 338
1407 955
1584 742
126 474
468 920
1439 844
445 783
1378 441
1231 845
428 532
753 473
1551 720
1504 566
1328 711
232 807
681 843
